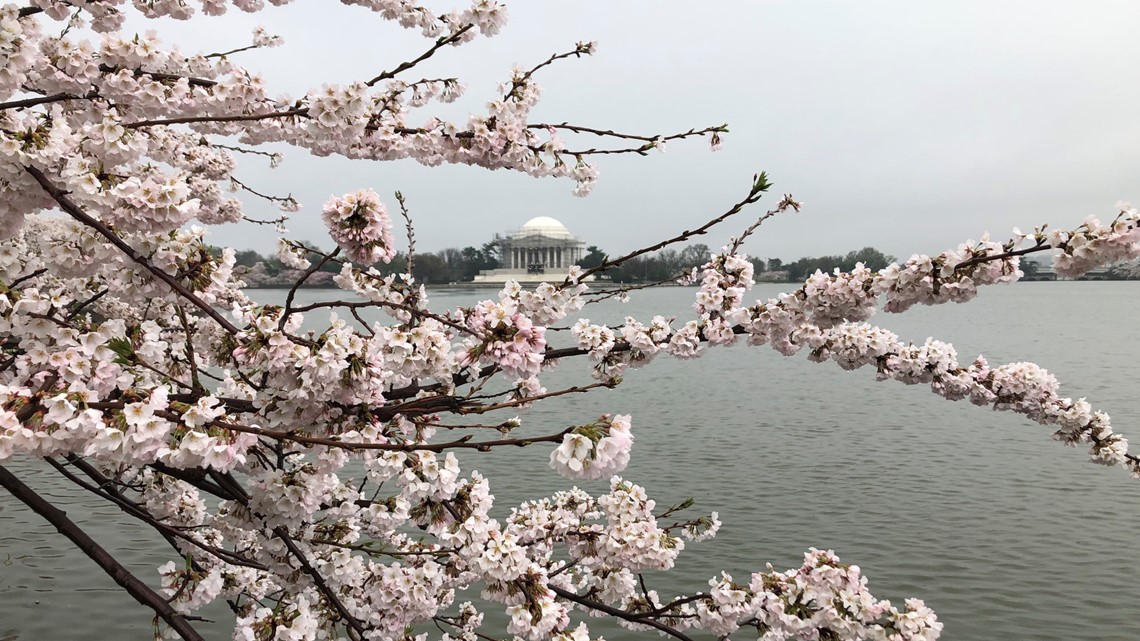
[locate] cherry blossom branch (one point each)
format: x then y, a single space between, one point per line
158 75
77 308
621 614
232 118
196 477
297 285
285 201
223 54
73 210
580 49
786 203
609 133
189 350
415 311
411 231
464 442
439 44
23 279
319 580
599 295
978 260
577 389
480 635
269 221
129 582
43 100
760 185
106 491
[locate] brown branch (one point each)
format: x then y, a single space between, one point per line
195 477
609 133
222 54
411 232
760 185
16 283
483 409
235 118
621 614
600 295
324 588
404 66
108 492
441 619
301 281
190 358
352 305
129 582
259 221
43 100
579 50
158 75
786 203
676 603
977 260
461 443
287 200
77 308
69 206
241 150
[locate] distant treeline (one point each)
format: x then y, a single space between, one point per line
454 265
445 266
668 263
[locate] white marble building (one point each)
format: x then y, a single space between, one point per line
541 250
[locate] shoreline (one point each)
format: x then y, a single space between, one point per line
606 285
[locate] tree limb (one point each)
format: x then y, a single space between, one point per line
129 582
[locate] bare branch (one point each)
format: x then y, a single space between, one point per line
439 44
579 50
760 185
411 231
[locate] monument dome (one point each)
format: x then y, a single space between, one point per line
543 226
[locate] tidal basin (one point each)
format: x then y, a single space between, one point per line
1005 533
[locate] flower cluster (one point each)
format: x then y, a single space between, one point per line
1094 244
952 276
597 450
360 225
506 337
821 594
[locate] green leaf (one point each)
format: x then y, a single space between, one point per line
123 349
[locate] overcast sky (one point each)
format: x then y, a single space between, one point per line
909 126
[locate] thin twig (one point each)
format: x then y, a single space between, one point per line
579 50
411 231
760 185
439 44
301 281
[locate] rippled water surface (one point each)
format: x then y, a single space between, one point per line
1005 533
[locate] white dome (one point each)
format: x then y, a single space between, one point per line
543 226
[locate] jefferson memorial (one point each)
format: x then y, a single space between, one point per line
541 250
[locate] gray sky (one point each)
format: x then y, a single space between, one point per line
910 126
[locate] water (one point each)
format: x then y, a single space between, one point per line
1005 533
